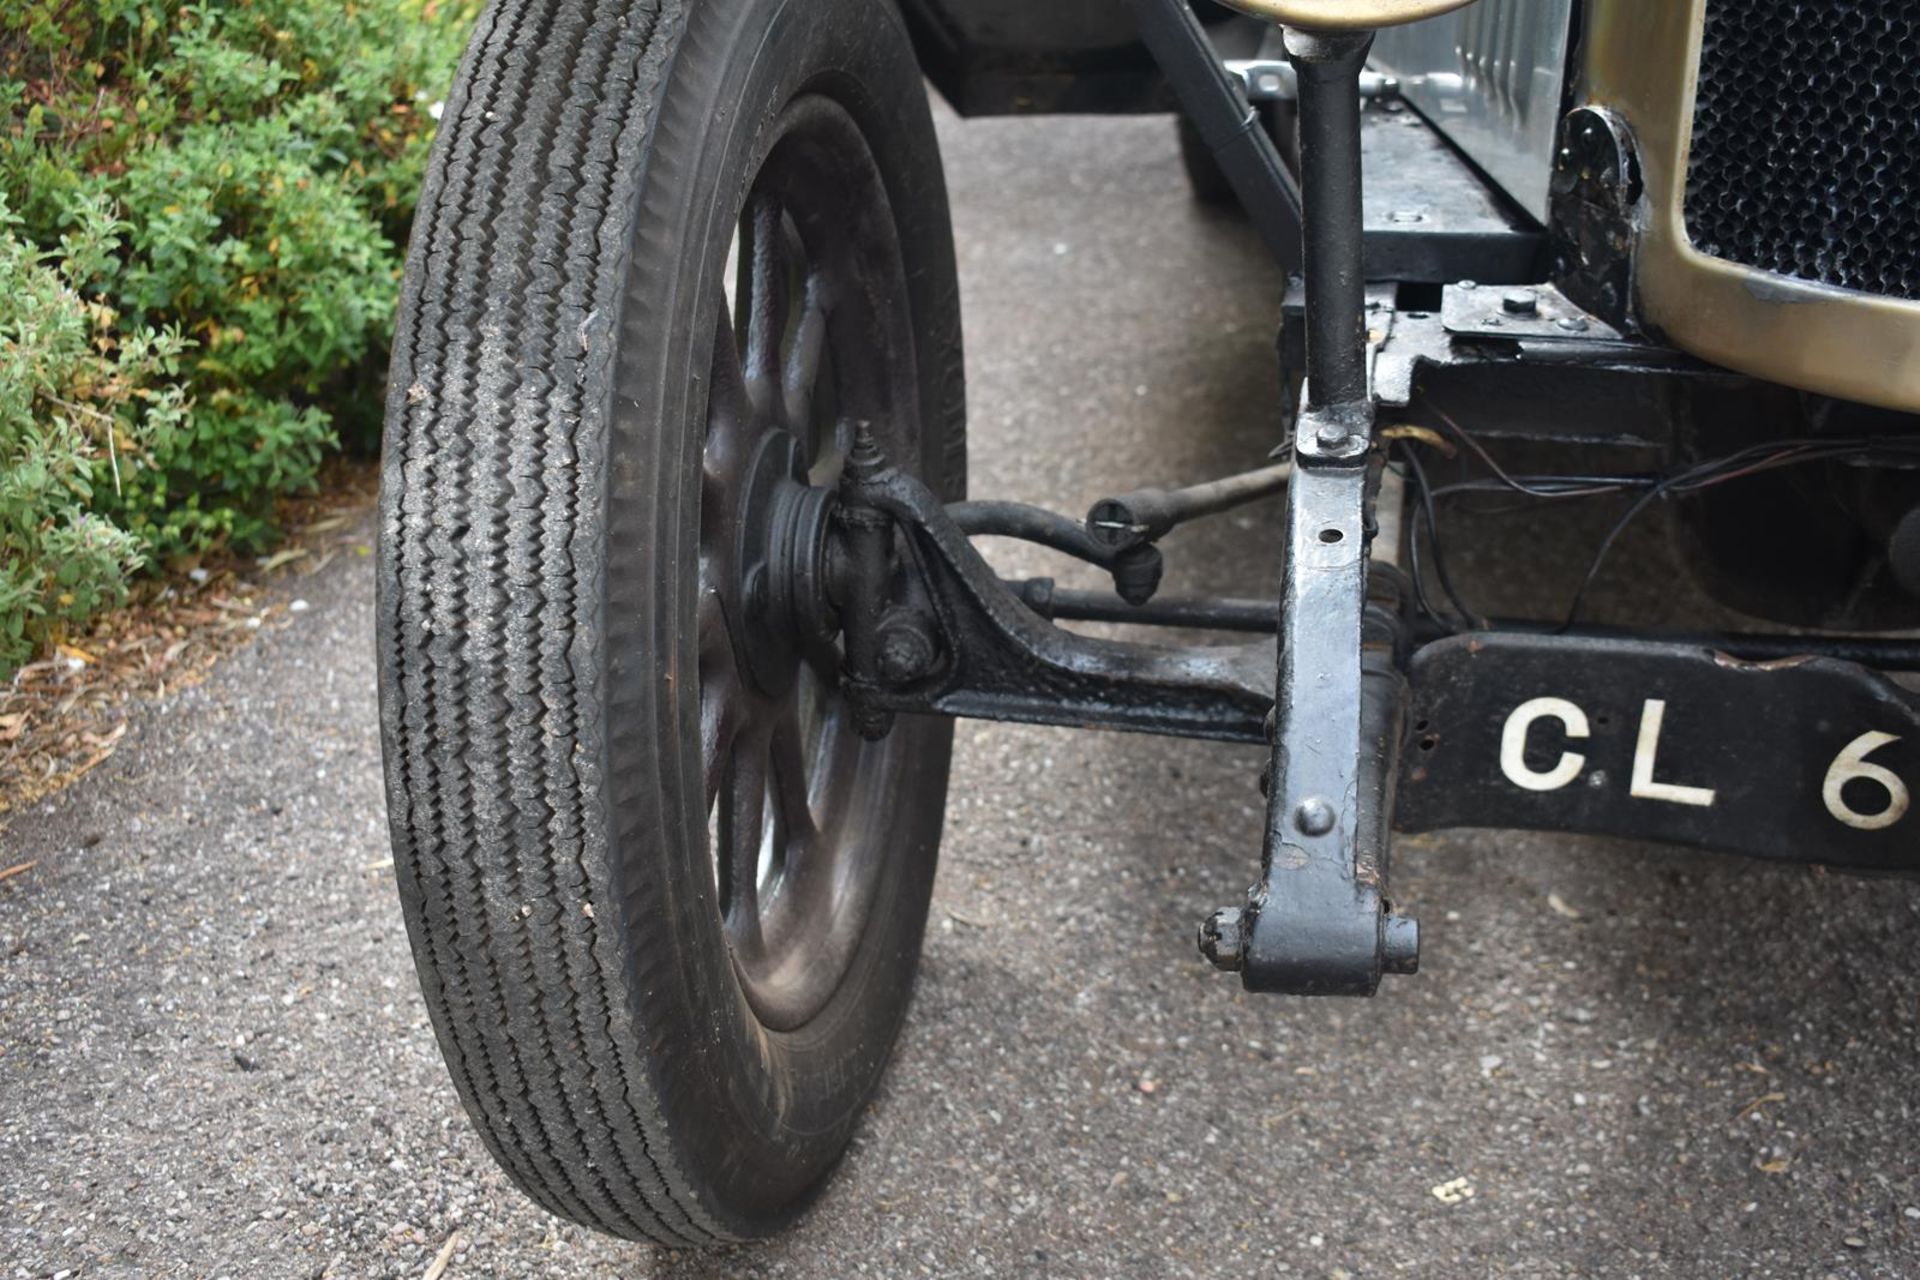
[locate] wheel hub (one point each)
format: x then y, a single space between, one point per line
780 564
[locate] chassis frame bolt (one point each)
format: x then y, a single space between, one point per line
1332 435
1520 302
1223 939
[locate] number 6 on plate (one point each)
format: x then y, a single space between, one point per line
1851 764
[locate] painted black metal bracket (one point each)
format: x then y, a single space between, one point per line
989 656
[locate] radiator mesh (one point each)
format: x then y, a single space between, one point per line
1806 141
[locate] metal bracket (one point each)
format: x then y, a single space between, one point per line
999 660
1273 80
1519 311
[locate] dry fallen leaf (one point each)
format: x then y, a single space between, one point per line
1562 907
269 563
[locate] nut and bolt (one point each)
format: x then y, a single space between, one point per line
1223 939
1520 302
1332 435
905 650
1314 816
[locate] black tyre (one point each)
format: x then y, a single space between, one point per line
665 904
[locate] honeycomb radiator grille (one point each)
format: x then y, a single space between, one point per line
1806 141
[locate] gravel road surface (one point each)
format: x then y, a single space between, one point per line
1620 1061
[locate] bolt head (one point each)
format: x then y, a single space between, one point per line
1332 435
1314 816
1223 939
1520 302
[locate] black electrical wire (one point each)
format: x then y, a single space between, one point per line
1419 579
1767 456
1432 518
1640 504
1755 459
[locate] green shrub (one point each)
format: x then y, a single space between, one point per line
69 394
200 269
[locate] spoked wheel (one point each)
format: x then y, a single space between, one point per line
799 803
665 903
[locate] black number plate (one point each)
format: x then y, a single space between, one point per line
1801 760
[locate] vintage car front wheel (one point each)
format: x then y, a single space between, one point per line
665 903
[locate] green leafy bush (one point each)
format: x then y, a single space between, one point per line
204 204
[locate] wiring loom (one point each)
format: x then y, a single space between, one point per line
1648 487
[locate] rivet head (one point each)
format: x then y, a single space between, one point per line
1573 324
1332 435
1314 816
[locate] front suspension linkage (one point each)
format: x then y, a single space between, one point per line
1362 707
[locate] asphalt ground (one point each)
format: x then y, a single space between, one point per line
1618 1061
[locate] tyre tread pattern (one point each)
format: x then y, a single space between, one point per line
496 431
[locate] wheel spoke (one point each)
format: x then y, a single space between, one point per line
803 372
720 692
743 824
729 414
837 765
788 757
766 262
